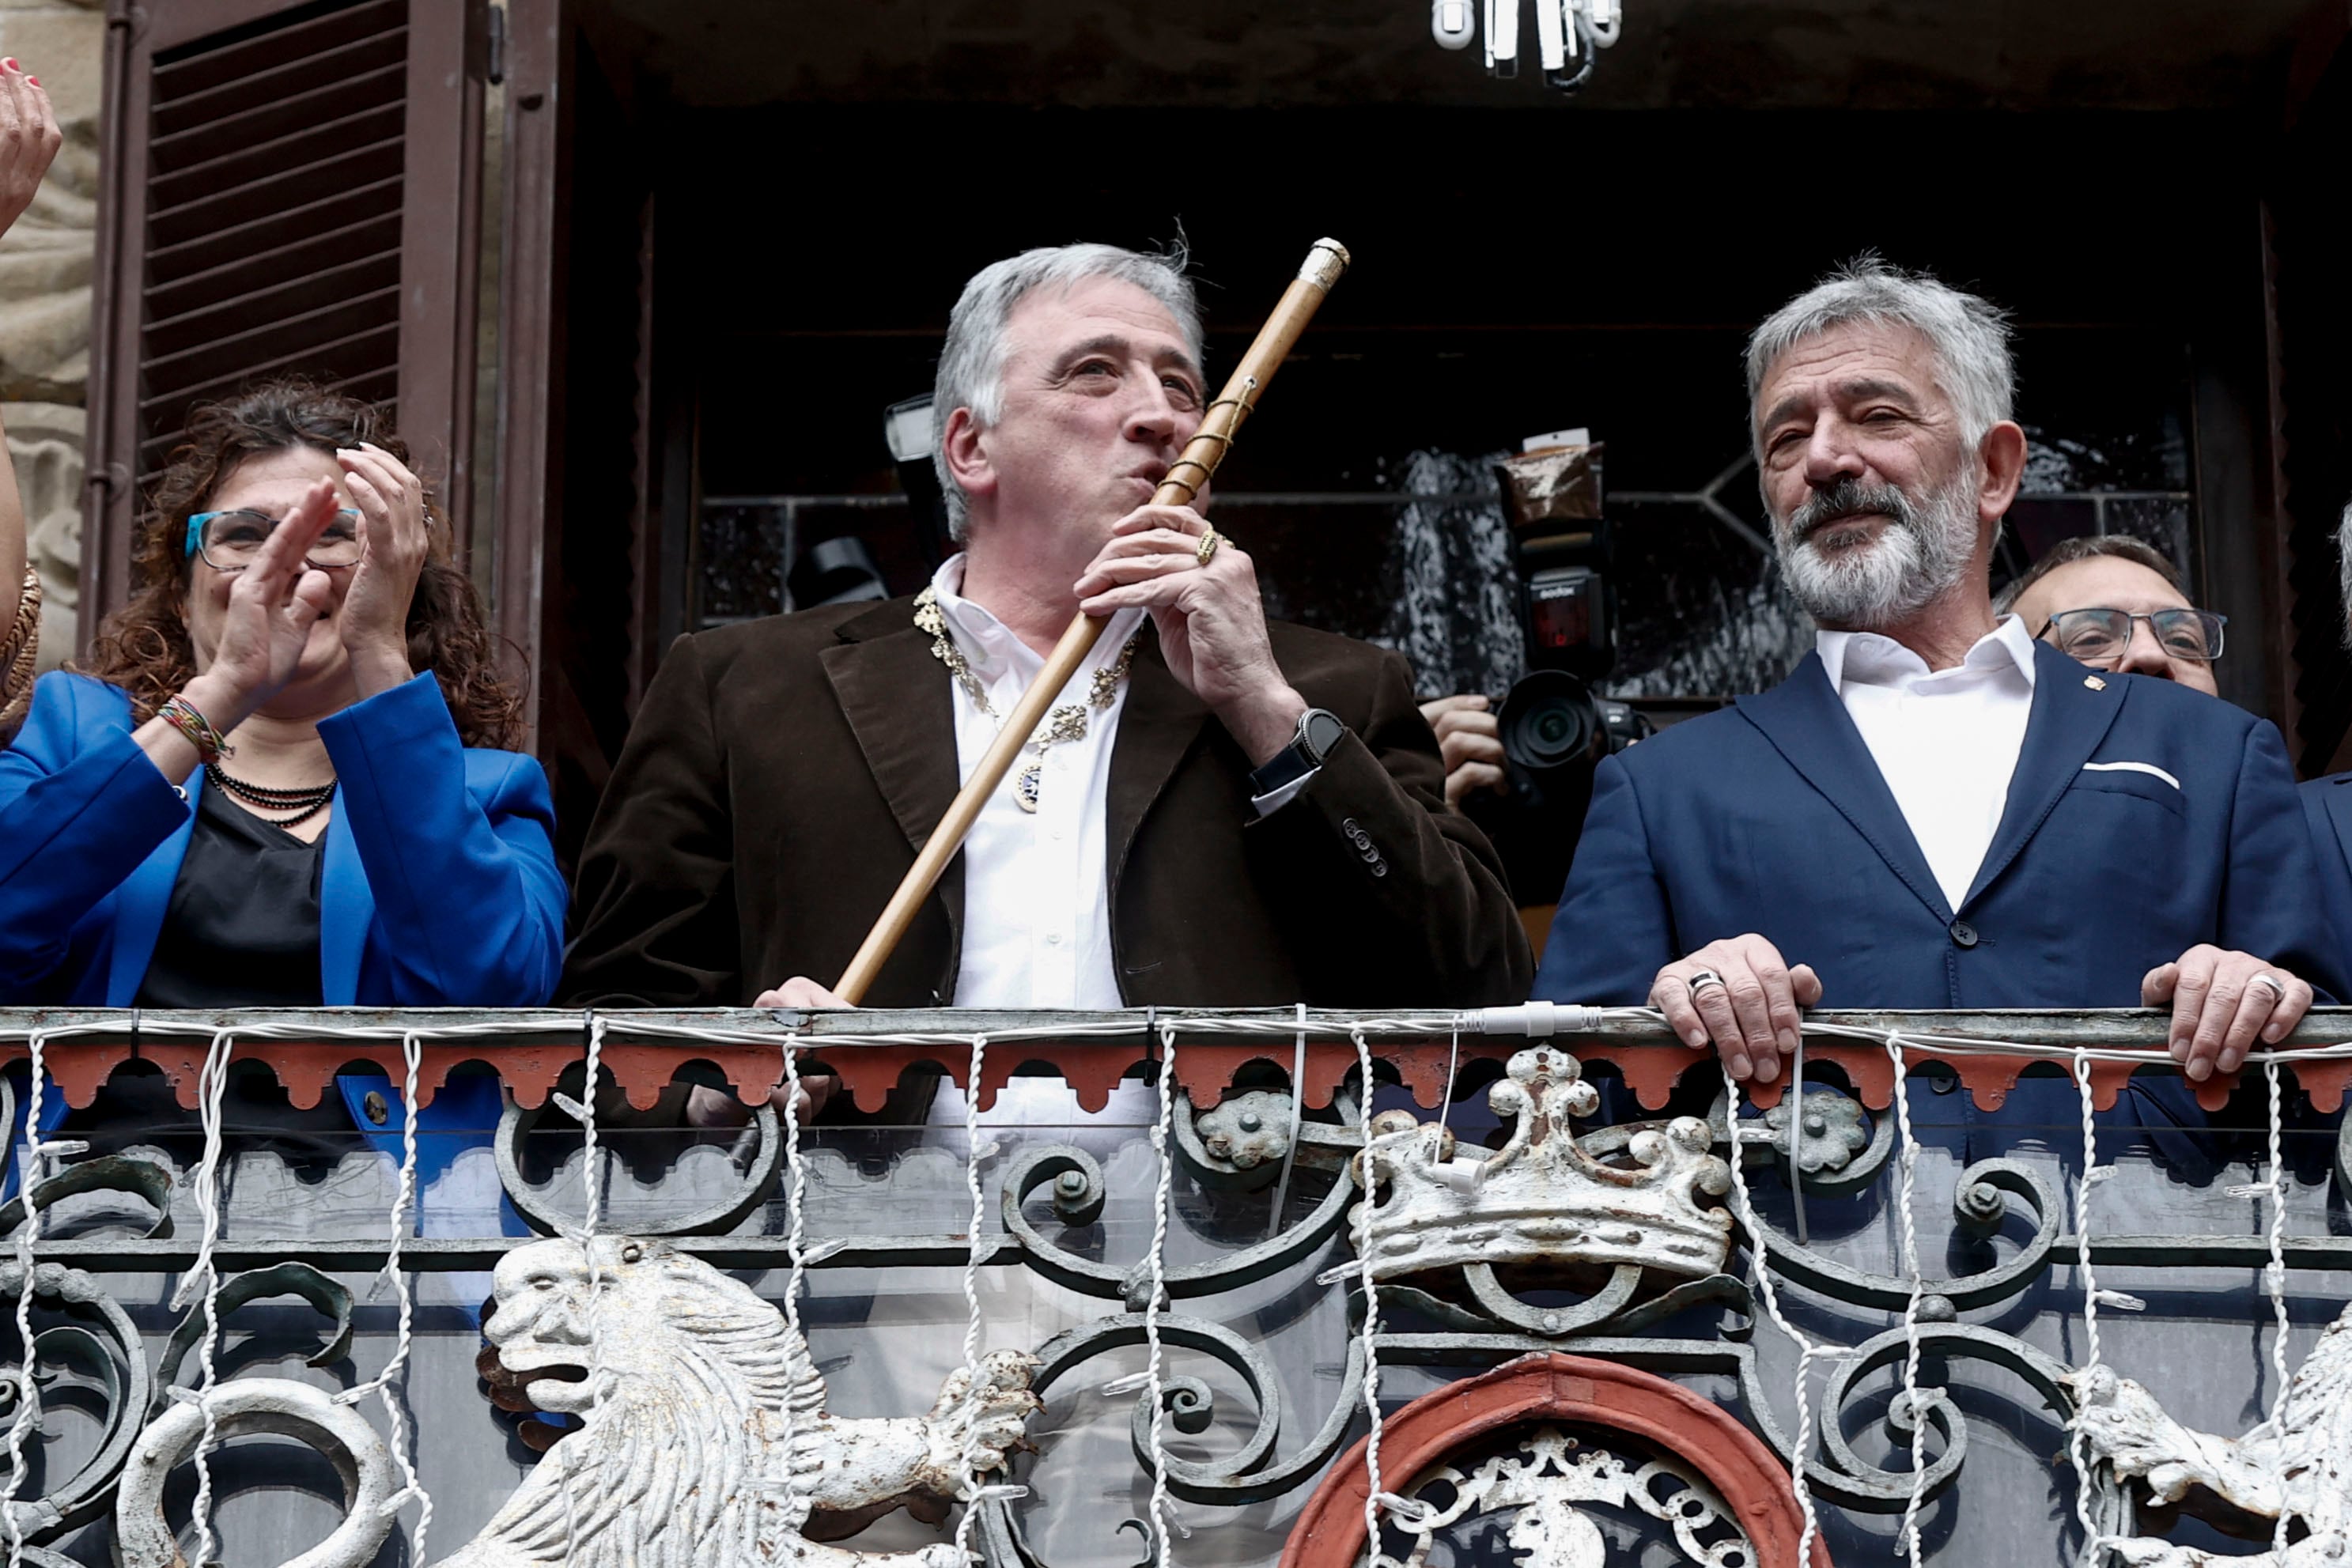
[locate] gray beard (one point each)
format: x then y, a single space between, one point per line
1918 556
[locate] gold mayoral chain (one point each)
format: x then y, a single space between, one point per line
1068 722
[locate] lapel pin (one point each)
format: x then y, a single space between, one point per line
2096 683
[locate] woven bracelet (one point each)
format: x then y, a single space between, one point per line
182 716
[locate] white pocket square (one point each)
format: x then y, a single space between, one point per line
2150 768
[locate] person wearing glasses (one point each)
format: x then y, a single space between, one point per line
285 777
1933 809
2114 604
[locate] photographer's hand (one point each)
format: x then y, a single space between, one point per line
1752 1016
1471 743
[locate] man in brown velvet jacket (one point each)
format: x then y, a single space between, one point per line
1221 811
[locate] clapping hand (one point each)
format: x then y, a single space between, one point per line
29 139
272 605
374 625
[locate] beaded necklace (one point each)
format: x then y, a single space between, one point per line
1068 722
305 803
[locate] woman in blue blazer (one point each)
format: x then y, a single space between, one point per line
283 780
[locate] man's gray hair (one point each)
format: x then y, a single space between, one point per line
2344 570
971 365
1969 336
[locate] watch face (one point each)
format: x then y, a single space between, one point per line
1321 729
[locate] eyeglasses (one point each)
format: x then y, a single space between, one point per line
2101 636
229 541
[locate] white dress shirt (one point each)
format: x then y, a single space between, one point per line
1037 906
1945 741
1036 899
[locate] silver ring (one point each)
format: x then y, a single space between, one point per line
2277 986
1703 979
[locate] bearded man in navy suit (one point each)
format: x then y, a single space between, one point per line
1934 810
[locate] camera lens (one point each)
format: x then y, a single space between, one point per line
1547 722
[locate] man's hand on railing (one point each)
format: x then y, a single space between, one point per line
2220 1001
800 991
1741 994
711 1108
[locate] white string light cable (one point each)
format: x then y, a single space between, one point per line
1807 1351
593 1215
2078 1445
2274 1271
18 1429
1534 1020
212 1090
591 1173
35 1169
1164 1133
2274 1278
1164 1138
1906 1186
1376 1497
404 1205
975 1491
795 1210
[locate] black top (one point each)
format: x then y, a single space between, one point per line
242 930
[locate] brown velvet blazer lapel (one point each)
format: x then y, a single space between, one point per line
1157 727
894 695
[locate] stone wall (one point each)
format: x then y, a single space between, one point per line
45 295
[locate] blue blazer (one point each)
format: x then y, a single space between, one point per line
437 885
1772 817
2327 807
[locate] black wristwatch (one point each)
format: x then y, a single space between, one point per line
1319 732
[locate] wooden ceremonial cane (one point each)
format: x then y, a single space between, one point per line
1184 480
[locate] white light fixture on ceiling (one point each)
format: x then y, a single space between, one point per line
1569 34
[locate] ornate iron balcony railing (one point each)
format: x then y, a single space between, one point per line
1181 1255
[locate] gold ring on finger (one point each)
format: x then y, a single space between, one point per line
1209 540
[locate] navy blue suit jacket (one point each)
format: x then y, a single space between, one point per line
1772 817
2328 805
438 885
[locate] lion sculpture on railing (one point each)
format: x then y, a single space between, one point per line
704 1440
2297 1465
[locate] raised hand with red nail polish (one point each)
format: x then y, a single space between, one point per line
29 139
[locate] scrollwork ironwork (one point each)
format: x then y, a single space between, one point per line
102 1344
715 1218
1079 1202
1634 1304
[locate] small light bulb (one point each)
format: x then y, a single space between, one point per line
1451 25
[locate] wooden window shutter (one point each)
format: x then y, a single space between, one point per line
286 189
595 454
